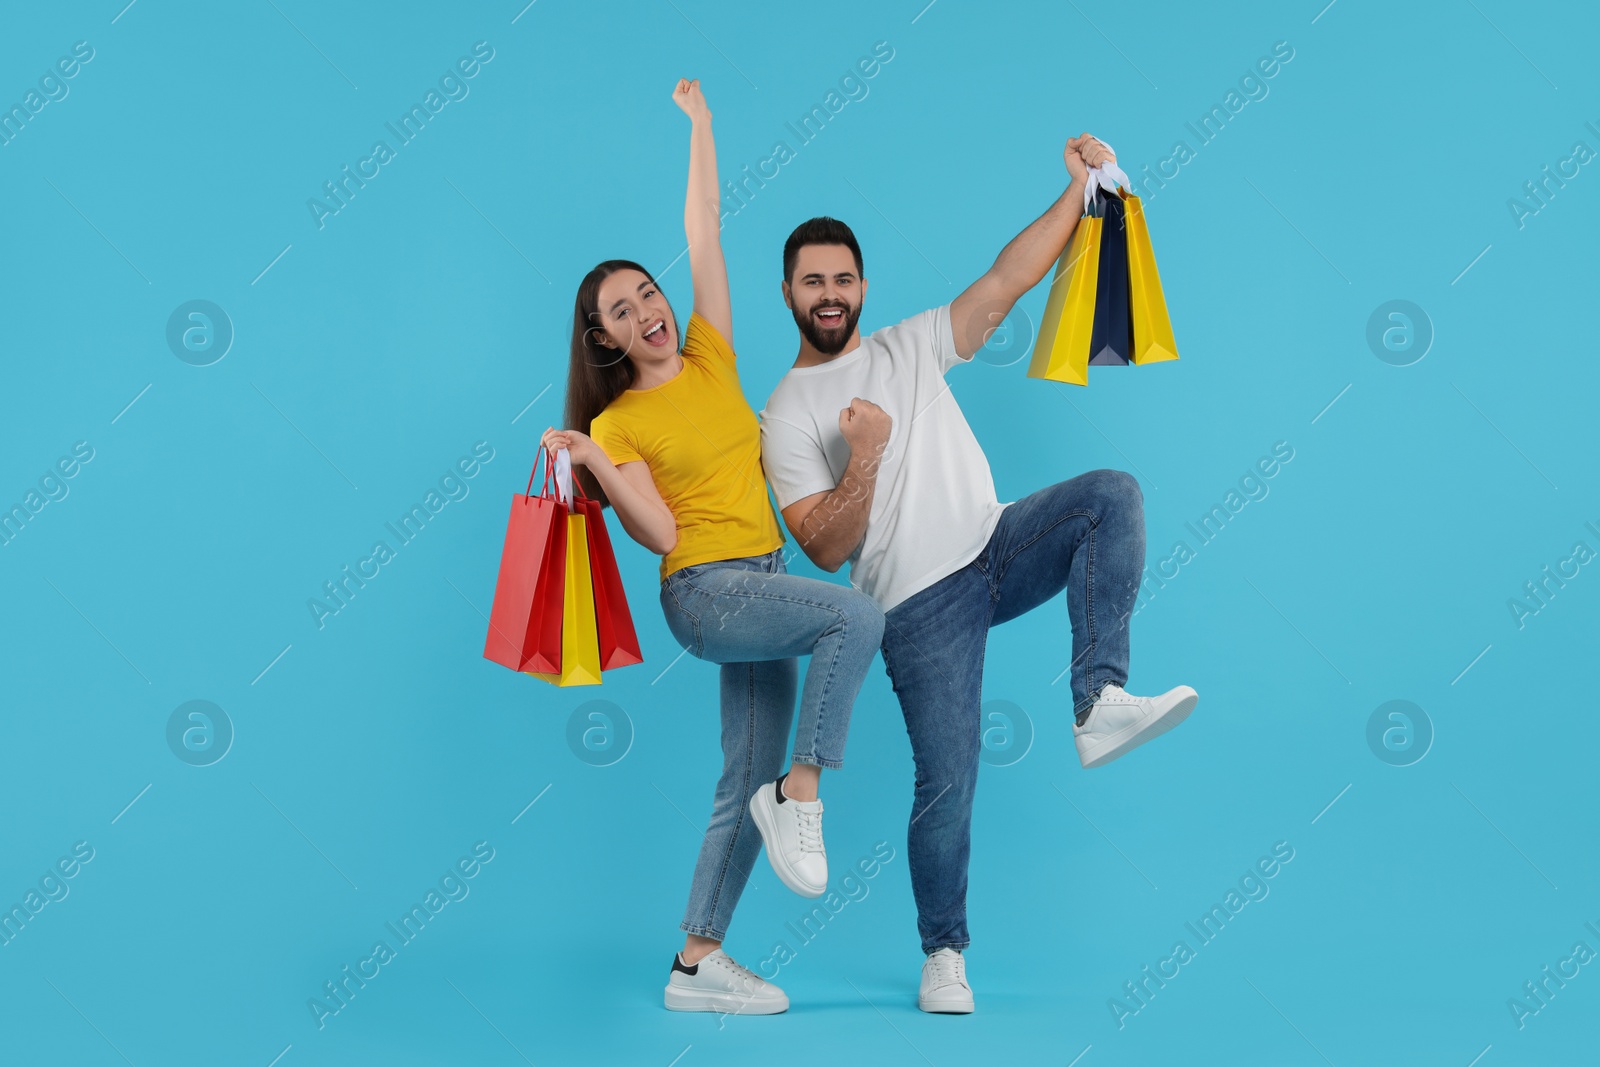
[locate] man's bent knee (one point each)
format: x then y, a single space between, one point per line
1115 485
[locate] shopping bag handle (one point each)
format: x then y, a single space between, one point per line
544 453
1106 176
564 478
557 466
577 487
567 479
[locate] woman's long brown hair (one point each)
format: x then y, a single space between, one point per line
596 375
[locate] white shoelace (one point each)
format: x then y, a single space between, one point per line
810 830
746 977
949 968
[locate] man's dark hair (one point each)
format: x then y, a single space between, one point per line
821 230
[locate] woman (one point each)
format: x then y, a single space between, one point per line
676 452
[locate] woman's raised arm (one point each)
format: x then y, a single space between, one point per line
702 214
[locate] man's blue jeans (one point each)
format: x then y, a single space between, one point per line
1084 535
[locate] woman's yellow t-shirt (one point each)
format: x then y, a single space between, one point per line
703 446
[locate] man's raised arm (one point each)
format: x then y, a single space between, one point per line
1023 263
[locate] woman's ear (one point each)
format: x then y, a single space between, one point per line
599 337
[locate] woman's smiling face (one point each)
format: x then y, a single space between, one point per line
635 318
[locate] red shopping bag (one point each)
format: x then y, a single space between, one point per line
525 621
580 642
619 643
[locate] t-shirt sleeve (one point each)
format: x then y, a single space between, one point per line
703 341
943 338
794 462
928 335
618 445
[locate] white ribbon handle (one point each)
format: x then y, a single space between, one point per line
564 477
1107 176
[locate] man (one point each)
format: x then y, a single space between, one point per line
872 462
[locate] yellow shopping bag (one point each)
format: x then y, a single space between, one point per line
1152 328
580 641
1061 353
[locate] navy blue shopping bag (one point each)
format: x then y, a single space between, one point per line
1111 341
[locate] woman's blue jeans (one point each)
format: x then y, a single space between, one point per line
754 618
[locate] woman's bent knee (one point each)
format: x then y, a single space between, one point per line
865 618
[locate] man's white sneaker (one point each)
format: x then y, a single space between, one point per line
792 832
717 983
1120 722
944 983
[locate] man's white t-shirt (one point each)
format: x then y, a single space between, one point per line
934 507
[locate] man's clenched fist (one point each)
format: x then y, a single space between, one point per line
865 427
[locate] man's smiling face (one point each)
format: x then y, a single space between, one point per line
825 294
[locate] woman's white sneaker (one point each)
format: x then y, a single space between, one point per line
792 831
717 983
944 983
1120 722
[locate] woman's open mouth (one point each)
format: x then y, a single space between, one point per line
656 336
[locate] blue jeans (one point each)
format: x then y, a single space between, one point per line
1084 535
754 618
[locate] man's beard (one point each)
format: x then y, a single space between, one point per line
830 341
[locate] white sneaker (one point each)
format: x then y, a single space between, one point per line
944 983
792 832
717 983
1120 722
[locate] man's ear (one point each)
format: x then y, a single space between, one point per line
863 289
788 301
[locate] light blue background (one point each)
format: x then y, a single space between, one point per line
429 313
